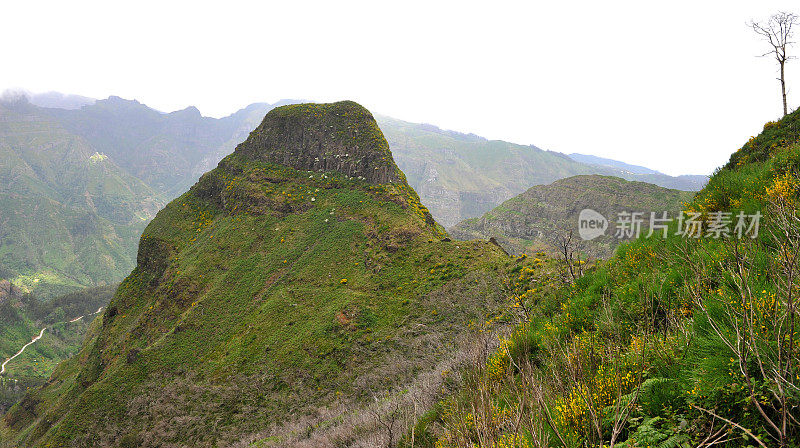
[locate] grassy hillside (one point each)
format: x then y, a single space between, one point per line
461 176
678 342
537 219
273 303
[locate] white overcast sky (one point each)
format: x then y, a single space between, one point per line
671 85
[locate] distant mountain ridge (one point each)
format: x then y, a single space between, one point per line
457 176
460 176
537 219
685 182
602 161
57 100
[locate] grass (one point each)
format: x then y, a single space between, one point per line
642 350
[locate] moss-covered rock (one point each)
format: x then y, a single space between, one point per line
342 137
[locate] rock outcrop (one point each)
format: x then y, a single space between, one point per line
341 137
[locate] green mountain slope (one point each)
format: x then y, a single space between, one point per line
685 341
70 217
80 183
22 317
536 219
301 274
166 151
461 176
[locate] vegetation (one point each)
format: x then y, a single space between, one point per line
296 300
80 184
22 316
270 304
541 217
679 342
462 176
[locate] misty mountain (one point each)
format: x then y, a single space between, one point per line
153 157
685 182
461 176
79 185
57 100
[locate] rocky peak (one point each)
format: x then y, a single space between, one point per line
341 137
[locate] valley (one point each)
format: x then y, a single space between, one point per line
305 273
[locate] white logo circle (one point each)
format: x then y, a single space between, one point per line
591 224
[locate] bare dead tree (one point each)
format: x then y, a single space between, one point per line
570 253
777 31
387 414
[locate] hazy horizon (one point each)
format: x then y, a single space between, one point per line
645 84
10 94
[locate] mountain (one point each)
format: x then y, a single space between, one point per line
80 183
284 299
166 151
686 182
686 340
69 216
536 220
69 224
602 161
460 176
56 100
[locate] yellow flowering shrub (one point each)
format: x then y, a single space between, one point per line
784 188
498 363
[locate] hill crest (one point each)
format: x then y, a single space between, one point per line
342 137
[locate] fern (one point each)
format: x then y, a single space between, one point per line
656 432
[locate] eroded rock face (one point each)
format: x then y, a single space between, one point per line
341 137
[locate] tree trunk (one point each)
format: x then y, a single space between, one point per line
783 89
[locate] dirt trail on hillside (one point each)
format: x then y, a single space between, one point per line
41 333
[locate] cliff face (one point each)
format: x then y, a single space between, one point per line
342 137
